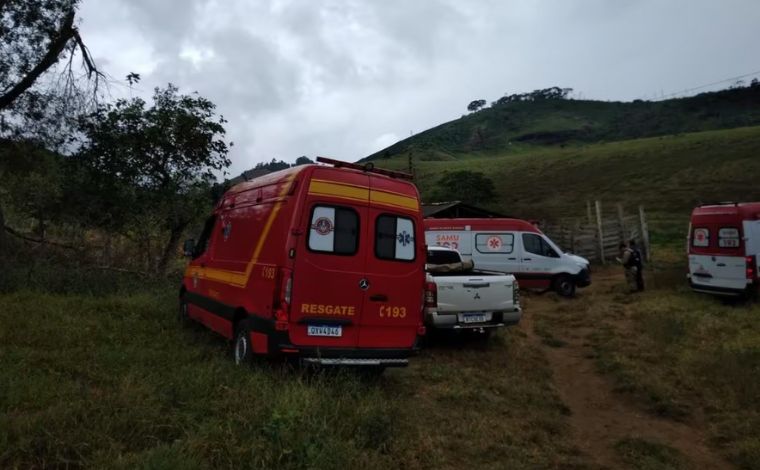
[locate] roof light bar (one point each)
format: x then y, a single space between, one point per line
368 167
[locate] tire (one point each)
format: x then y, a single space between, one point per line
242 353
564 285
183 317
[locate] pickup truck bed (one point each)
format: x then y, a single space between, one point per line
471 299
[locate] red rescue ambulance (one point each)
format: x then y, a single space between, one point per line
325 263
723 247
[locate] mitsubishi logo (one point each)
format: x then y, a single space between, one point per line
477 296
364 284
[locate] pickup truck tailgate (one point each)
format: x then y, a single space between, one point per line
474 294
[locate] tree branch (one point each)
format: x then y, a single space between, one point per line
55 49
87 57
20 235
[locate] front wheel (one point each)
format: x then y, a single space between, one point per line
564 285
242 353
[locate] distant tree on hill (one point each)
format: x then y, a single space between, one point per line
754 83
553 93
468 186
274 165
475 105
303 160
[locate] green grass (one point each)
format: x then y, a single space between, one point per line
668 175
680 355
645 455
112 381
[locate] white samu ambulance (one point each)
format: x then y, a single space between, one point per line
512 246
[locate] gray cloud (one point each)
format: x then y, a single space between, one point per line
348 77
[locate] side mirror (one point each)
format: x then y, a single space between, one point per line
189 247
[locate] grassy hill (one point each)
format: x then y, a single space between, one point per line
668 175
523 126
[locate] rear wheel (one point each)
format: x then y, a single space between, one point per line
564 285
241 348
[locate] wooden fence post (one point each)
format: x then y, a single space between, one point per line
645 233
621 223
599 232
588 213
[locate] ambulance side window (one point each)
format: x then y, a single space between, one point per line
202 244
535 244
728 237
490 243
334 229
394 238
701 237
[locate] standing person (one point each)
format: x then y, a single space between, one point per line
626 259
638 260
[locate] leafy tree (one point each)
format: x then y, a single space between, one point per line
472 187
303 160
34 36
158 159
475 105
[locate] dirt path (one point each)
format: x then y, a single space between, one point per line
599 416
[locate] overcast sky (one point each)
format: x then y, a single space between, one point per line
347 78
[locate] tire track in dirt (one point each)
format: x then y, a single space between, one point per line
599 416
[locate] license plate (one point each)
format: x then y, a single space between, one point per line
324 330
475 317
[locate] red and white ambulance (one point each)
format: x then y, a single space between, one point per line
325 263
512 246
723 248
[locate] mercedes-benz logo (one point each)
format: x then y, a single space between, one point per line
364 284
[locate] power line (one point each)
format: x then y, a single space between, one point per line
689 90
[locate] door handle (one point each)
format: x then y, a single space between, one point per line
527 259
722 265
512 259
476 285
378 298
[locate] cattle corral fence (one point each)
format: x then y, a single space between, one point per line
597 236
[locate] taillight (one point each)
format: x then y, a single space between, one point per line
288 290
751 267
515 294
283 294
431 294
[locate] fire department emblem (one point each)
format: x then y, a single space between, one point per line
494 243
323 226
405 238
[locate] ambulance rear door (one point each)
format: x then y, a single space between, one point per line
395 267
329 284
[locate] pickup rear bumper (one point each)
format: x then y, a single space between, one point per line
450 320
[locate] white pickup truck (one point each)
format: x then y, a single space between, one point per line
463 298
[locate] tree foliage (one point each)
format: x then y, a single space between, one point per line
475 105
472 187
159 159
35 35
552 93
